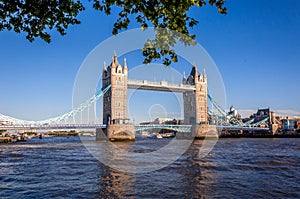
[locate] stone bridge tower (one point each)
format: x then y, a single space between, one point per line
195 102
115 102
195 106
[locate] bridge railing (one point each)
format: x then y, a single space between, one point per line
52 126
161 83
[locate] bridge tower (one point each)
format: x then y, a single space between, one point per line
195 102
195 105
115 102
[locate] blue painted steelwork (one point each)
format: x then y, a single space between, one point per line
52 127
229 120
223 121
62 117
177 128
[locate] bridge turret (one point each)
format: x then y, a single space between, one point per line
200 78
115 59
125 69
115 103
196 77
104 67
113 66
184 78
195 103
104 71
115 100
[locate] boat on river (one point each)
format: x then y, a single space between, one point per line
165 135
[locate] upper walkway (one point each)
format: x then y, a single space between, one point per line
159 86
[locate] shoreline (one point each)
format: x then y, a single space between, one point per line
261 136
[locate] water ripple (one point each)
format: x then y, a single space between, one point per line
236 168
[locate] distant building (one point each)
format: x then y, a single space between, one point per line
265 117
163 121
146 123
174 122
289 125
232 111
5 123
262 114
297 124
166 121
277 124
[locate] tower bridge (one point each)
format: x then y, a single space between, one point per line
116 125
193 88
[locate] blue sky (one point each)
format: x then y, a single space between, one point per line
256 47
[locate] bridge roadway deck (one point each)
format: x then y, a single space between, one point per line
159 86
137 127
244 128
54 126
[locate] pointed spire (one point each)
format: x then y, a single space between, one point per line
184 81
125 64
204 75
115 59
104 66
196 74
193 71
113 62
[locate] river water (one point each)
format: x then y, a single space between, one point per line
235 168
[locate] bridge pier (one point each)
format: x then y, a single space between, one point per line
116 132
201 131
204 130
115 104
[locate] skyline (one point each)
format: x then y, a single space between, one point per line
251 50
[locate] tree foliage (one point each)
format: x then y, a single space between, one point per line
169 17
37 17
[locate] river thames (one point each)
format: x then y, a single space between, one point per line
62 167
